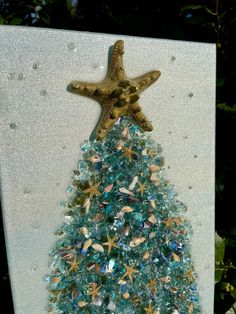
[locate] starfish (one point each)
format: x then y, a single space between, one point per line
94 290
152 285
128 152
149 309
117 94
142 187
93 189
74 264
129 273
110 243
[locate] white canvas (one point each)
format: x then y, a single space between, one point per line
42 127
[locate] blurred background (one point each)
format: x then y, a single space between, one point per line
212 21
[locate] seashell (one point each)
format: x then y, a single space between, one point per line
119 215
153 203
190 308
133 183
87 244
82 303
125 191
126 230
122 282
108 188
154 168
176 257
157 312
90 267
127 209
98 217
144 152
87 204
152 235
125 133
94 159
56 279
136 241
154 178
120 145
74 294
166 279
97 268
152 219
175 312
126 295
146 255
84 231
97 302
98 247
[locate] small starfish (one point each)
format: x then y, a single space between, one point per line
110 243
93 189
149 309
128 152
129 273
189 275
74 264
94 290
142 187
117 94
152 285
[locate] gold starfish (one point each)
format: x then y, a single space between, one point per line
74 264
149 309
93 189
152 285
128 152
117 94
142 187
110 243
129 273
94 290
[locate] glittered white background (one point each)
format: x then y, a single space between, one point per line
42 127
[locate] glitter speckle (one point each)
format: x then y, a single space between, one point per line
190 94
21 76
12 125
71 46
11 76
34 268
35 227
44 92
36 65
195 156
173 58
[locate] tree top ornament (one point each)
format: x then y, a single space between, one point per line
117 94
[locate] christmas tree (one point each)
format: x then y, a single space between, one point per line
124 246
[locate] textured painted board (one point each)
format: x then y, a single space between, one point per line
42 127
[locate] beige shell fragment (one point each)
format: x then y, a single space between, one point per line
108 188
146 255
154 178
120 145
152 219
176 257
154 168
87 204
166 279
125 133
82 303
136 241
125 191
94 159
84 231
153 203
98 247
133 183
127 209
87 244
126 295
